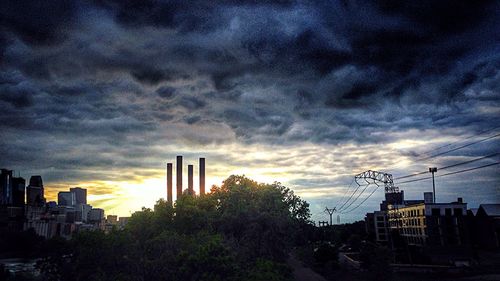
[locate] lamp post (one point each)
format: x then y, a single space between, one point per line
433 170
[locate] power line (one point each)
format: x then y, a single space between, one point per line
352 202
470 161
361 202
470 169
449 144
349 197
450 166
452 173
411 175
460 147
420 179
469 137
345 194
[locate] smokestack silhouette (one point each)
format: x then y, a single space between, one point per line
179 176
202 176
190 180
169 183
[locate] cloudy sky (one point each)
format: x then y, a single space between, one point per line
102 94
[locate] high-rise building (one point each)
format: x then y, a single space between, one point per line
36 181
18 191
35 192
66 198
82 212
96 215
80 195
6 187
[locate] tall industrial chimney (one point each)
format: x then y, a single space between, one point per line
169 183
190 180
202 176
179 176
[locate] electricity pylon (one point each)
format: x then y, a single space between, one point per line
330 212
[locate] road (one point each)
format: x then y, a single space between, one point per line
302 273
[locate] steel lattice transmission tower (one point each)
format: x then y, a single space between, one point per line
374 177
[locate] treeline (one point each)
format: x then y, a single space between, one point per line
242 230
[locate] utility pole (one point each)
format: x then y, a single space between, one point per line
330 212
433 170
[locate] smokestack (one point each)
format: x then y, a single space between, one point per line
179 176
202 176
169 183
190 180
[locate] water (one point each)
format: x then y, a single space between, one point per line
18 265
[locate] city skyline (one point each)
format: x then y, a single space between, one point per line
102 95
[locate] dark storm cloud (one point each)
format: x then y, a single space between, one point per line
166 92
37 22
137 73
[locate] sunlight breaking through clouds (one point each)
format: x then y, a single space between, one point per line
101 96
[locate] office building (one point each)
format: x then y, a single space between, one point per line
82 212
96 215
18 191
430 224
66 198
6 187
377 226
35 192
80 195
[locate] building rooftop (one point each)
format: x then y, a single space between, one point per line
492 210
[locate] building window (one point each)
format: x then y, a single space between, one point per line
436 212
457 212
447 212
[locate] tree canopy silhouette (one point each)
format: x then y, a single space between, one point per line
241 230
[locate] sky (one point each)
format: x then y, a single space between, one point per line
102 94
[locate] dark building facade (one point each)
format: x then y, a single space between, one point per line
80 195
18 192
6 187
485 226
35 192
66 198
11 201
431 224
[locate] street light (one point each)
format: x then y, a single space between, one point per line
433 170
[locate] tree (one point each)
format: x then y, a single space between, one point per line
241 230
376 259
